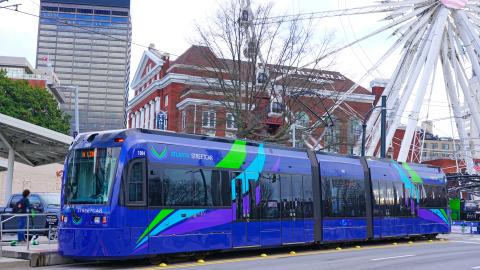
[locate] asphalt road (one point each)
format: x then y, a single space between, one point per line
451 252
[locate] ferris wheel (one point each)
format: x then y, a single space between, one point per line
429 35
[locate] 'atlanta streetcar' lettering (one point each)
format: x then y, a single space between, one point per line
195 156
201 156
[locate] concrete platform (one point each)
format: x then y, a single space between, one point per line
39 255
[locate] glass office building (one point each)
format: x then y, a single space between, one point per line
87 44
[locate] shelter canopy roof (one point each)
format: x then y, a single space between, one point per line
33 145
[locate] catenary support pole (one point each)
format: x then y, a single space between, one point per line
383 149
294 135
364 130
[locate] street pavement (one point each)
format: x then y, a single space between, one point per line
450 252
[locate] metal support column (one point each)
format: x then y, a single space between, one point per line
9 177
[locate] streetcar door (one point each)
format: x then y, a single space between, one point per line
292 209
297 204
135 198
246 228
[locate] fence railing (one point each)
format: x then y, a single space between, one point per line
467 227
51 229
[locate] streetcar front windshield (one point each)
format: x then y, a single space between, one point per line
90 175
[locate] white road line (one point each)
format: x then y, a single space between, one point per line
396 257
466 242
476 267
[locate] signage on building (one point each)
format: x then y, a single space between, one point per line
162 120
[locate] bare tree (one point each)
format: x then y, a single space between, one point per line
253 66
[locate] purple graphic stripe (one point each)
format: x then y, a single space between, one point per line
428 215
210 219
142 247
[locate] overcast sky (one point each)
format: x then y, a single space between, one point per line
169 24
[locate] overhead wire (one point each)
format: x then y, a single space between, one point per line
129 41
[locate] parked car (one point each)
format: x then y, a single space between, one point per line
41 203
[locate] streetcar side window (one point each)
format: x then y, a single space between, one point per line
188 187
307 196
155 190
178 187
433 196
270 196
343 197
202 186
391 198
136 183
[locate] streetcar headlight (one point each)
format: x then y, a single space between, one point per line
96 220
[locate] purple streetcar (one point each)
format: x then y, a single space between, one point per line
141 193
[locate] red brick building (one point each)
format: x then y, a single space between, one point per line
173 95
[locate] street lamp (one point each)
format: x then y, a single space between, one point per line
74 89
383 148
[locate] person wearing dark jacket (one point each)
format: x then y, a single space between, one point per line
22 207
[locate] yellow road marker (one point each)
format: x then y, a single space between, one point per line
410 242
200 261
358 247
394 243
292 253
338 248
305 253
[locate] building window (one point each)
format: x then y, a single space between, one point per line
355 130
208 119
166 101
231 124
445 146
276 107
434 145
332 138
184 119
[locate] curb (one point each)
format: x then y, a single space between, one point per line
10 263
37 259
